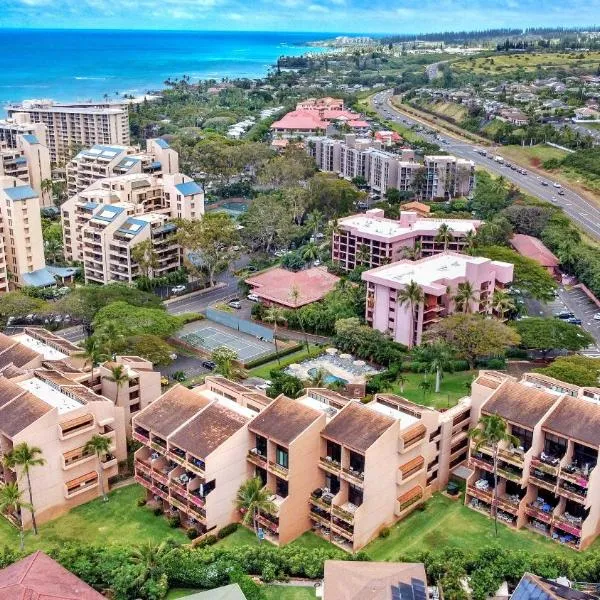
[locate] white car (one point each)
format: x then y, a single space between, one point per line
235 304
597 317
317 263
253 298
556 185
553 199
178 289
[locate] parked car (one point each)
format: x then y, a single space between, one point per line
235 304
544 183
565 315
178 289
561 192
597 317
574 321
556 185
208 364
253 298
317 263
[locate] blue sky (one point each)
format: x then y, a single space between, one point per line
402 16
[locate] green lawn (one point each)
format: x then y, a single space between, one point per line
532 155
244 537
453 387
118 521
446 523
296 357
288 592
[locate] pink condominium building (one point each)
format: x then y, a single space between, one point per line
438 277
372 240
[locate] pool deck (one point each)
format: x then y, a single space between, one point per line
340 368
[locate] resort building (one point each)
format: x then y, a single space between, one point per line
29 162
369 239
38 576
548 482
103 224
343 468
19 125
195 443
276 286
72 126
101 162
48 409
438 177
531 247
438 277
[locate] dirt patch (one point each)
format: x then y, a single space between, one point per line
535 162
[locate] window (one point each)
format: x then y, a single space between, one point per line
134 407
555 446
355 495
261 445
334 451
357 462
282 457
525 436
333 483
281 487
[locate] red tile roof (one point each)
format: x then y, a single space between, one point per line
533 248
38 577
276 284
300 120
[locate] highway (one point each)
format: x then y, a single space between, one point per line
584 212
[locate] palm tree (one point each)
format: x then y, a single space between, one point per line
295 296
314 221
444 235
425 385
253 498
438 357
363 255
26 457
401 380
100 446
502 302
465 294
118 376
492 431
275 315
412 253
92 354
150 557
310 252
412 295
11 502
110 338
318 379
470 240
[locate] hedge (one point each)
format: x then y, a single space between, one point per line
257 362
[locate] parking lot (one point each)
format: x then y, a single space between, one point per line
572 300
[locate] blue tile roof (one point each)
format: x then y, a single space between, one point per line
90 205
189 189
162 143
108 212
30 138
39 278
62 271
22 192
128 162
132 226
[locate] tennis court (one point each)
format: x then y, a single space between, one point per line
208 335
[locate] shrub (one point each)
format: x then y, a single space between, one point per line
209 540
141 501
174 522
192 533
227 530
384 532
158 511
496 363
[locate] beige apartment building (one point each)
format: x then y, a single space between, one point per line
72 126
103 223
28 162
334 465
549 482
19 125
46 408
101 162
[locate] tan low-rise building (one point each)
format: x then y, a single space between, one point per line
47 409
548 482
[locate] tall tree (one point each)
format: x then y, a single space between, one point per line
275 315
212 240
438 358
253 498
464 296
100 446
150 558
411 295
546 335
492 431
118 376
25 456
502 303
11 502
295 297
444 235
92 354
145 256
224 359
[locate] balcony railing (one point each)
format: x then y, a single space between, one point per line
482 464
508 504
485 495
547 466
278 469
320 518
353 476
535 511
256 458
546 484
575 475
511 456
569 525
342 514
509 472
572 492
330 465
320 503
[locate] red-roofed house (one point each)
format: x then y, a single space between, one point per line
388 138
275 286
531 247
38 577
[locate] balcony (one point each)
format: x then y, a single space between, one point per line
338 528
574 474
513 457
510 472
76 426
540 511
547 464
409 499
353 476
568 523
333 466
195 498
509 504
482 463
158 444
76 457
278 469
412 467
541 480
411 437
485 495
178 503
269 522
160 492
344 512
573 492
82 484
176 455
319 518
108 462
196 465
256 458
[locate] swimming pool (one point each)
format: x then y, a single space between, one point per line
329 378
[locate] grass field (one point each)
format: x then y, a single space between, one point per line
448 523
456 112
118 521
296 357
505 63
453 387
272 592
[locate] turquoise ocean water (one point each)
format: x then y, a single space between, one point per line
76 65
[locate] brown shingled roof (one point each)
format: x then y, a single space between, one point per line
208 430
576 418
18 355
520 403
284 420
357 426
171 410
9 391
38 577
19 414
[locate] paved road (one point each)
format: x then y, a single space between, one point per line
582 211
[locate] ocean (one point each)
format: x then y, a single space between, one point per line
77 65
